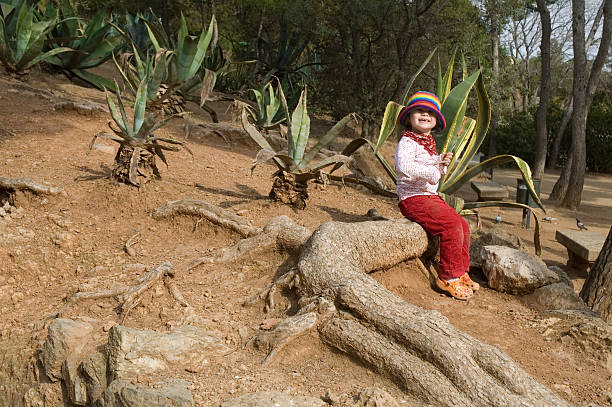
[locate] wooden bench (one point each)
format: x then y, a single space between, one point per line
583 247
489 190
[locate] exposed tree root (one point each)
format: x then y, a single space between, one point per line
60 100
286 280
128 297
128 245
6 131
25 183
280 232
419 349
212 213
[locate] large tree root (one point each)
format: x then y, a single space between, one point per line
212 213
281 232
25 183
419 349
128 297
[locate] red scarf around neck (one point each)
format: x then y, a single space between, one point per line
426 140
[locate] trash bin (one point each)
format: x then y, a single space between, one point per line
523 196
522 193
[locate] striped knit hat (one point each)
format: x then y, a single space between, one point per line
423 100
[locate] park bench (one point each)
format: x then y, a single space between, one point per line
489 190
583 247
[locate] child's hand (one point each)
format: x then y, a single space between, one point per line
445 158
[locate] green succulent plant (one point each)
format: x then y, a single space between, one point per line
22 37
294 165
268 113
177 68
138 147
91 44
462 136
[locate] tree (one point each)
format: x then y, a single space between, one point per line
541 115
583 93
597 288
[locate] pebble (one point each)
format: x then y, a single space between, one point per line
108 325
242 212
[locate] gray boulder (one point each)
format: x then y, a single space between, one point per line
594 338
557 296
514 271
368 397
133 352
66 339
92 373
170 392
491 237
273 399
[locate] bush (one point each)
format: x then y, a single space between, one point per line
516 135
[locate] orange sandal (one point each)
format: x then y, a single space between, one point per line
455 289
467 281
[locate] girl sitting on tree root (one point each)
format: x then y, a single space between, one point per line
419 169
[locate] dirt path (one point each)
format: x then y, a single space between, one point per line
75 240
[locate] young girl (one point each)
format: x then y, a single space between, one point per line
419 169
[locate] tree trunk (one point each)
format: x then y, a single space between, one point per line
542 113
419 349
597 289
573 195
495 72
583 93
560 187
554 157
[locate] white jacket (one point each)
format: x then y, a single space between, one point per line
418 172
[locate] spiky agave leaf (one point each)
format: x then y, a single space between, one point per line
300 129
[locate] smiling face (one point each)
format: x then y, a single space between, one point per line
422 121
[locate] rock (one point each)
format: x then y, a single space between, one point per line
563 277
62 239
368 397
557 296
491 237
273 399
133 352
514 271
92 372
121 393
66 337
594 338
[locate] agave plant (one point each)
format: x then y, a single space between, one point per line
183 71
462 136
268 106
135 161
22 37
290 183
91 44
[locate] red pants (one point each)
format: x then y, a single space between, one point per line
439 219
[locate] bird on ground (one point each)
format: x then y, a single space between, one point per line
548 219
498 218
580 225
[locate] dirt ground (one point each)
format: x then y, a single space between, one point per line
75 241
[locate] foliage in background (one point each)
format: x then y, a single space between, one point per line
22 37
516 134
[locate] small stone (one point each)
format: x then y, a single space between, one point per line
243 332
108 325
242 212
2 212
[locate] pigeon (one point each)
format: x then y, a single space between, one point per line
548 219
498 218
580 225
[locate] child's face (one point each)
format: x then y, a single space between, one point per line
422 121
